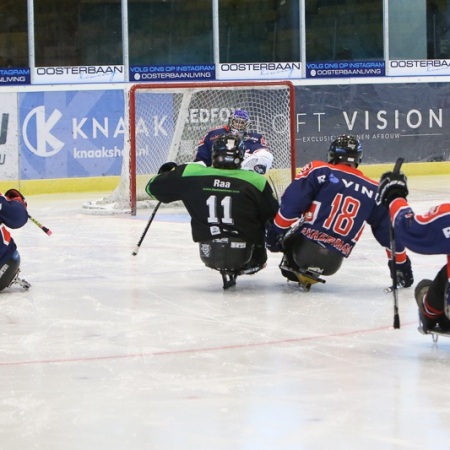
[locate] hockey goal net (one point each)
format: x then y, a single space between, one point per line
167 122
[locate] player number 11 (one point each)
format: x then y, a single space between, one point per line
226 207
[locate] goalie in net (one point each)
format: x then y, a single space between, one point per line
167 121
257 155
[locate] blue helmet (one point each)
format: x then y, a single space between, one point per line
345 149
228 152
239 121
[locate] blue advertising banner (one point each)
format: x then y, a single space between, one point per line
343 69
391 120
14 75
71 134
173 73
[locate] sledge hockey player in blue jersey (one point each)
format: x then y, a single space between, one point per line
323 213
426 234
257 155
229 208
13 214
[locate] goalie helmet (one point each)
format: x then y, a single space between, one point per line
228 152
239 121
345 149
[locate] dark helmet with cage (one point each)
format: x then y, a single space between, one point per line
345 149
228 152
239 121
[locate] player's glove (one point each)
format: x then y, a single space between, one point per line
14 194
392 185
405 276
167 167
274 239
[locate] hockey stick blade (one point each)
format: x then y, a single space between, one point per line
398 165
390 289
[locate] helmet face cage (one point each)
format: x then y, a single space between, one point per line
346 149
228 152
239 121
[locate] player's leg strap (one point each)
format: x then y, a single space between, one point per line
229 254
9 269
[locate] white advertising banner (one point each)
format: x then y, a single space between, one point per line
417 67
9 140
259 71
78 74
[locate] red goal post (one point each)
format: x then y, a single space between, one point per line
167 121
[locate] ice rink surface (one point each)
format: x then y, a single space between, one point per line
109 351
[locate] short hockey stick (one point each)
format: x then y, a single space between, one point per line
274 188
293 229
44 229
396 170
136 250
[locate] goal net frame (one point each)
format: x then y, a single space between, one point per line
270 92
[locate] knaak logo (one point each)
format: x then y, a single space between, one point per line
38 136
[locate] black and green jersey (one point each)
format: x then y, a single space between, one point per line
221 202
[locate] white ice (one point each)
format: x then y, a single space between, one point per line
109 351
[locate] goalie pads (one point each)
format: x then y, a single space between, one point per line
259 161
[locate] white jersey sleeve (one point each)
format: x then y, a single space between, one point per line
259 161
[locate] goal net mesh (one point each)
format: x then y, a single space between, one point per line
167 122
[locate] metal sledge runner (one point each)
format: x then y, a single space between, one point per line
435 333
20 282
307 278
304 277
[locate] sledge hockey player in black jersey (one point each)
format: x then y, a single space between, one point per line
13 215
426 234
229 208
323 213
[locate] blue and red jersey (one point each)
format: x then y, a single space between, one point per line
426 234
13 214
252 142
336 201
